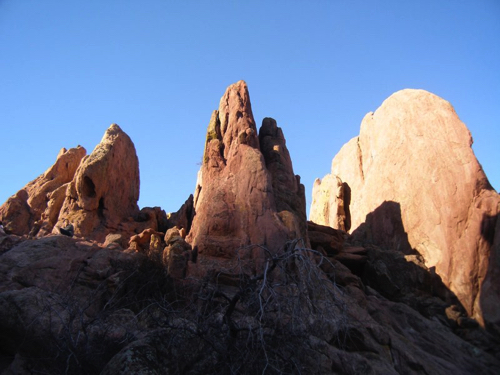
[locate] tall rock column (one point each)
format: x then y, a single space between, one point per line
413 173
288 192
235 202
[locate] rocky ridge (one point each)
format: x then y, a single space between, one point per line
236 281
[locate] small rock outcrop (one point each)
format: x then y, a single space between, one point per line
105 189
37 205
238 199
410 181
183 218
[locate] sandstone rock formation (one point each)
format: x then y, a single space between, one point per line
40 200
105 189
372 302
410 181
246 191
70 305
176 254
183 218
289 193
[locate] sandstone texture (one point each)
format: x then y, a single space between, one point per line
40 200
105 189
247 193
410 181
72 306
237 281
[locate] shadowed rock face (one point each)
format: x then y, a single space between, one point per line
415 151
105 189
238 200
40 200
288 191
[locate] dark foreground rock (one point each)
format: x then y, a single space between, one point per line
72 306
236 281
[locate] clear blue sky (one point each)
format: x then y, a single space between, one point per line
68 69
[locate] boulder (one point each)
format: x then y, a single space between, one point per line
329 239
105 189
141 241
16 214
412 180
176 254
235 202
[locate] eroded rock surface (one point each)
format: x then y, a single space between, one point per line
365 303
39 202
69 305
412 180
105 189
246 191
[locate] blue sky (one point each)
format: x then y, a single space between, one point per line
68 69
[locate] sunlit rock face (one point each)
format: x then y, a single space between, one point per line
238 200
37 205
415 151
105 189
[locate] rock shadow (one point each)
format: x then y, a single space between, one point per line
384 227
490 289
347 202
397 271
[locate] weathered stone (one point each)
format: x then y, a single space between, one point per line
172 235
59 291
234 202
329 239
40 200
16 214
182 218
176 254
331 198
414 181
105 189
288 192
142 241
115 240
156 244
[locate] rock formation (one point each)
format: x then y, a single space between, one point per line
246 191
145 292
105 189
71 306
40 200
183 218
410 181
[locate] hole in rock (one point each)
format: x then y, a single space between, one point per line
88 187
100 209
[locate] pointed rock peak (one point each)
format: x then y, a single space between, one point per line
66 164
269 128
112 132
246 192
237 124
